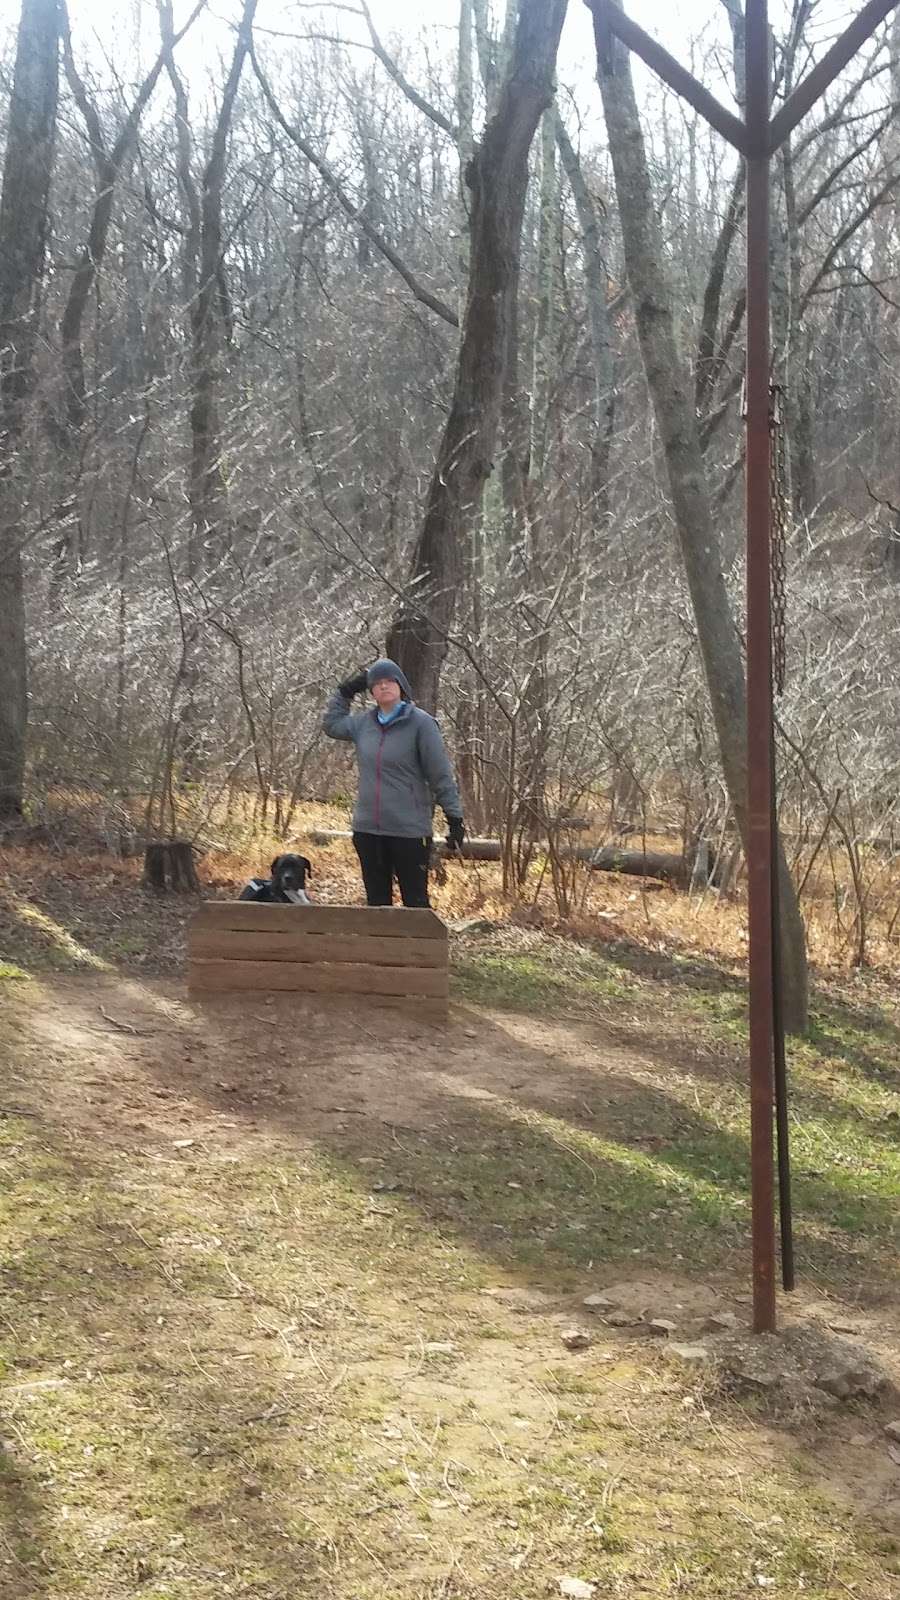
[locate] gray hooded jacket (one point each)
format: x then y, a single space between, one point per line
404 769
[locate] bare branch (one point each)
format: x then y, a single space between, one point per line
393 71
109 165
708 363
354 212
853 226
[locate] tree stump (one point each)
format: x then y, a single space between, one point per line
169 864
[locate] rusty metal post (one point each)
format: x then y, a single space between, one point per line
759 669
758 138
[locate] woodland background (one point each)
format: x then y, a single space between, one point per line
334 334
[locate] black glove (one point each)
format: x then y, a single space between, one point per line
456 833
352 686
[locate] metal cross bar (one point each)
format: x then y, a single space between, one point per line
813 86
611 16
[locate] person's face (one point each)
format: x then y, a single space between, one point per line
386 693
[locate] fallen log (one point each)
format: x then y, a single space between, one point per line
668 866
473 849
637 863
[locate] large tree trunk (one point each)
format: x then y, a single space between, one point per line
672 399
498 180
23 227
530 778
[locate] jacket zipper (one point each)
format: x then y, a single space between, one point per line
378 781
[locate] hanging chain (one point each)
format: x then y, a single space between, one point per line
778 546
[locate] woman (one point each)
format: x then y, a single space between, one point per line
404 771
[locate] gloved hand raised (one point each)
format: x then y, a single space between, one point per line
456 833
352 686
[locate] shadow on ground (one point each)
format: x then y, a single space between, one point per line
562 1149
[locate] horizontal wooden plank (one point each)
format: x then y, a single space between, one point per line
385 922
316 978
240 944
415 1007
420 1007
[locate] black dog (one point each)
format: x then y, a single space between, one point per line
287 883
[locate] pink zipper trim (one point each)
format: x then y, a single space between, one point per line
378 782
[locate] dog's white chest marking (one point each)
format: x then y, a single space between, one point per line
298 897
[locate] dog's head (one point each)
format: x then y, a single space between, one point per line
289 875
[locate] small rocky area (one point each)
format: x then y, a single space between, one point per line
808 1365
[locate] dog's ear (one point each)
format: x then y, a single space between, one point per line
273 870
308 864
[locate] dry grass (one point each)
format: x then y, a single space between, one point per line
705 924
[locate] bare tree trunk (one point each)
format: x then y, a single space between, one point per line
710 354
209 537
892 548
498 180
531 776
465 88
23 227
190 200
169 864
487 55
207 491
790 345
108 166
596 288
670 393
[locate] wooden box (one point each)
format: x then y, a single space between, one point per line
388 954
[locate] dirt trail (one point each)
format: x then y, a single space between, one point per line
128 1057
182 1093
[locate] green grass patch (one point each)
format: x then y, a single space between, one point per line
537 983
9 971
688 1194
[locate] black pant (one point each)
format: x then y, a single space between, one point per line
384 858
